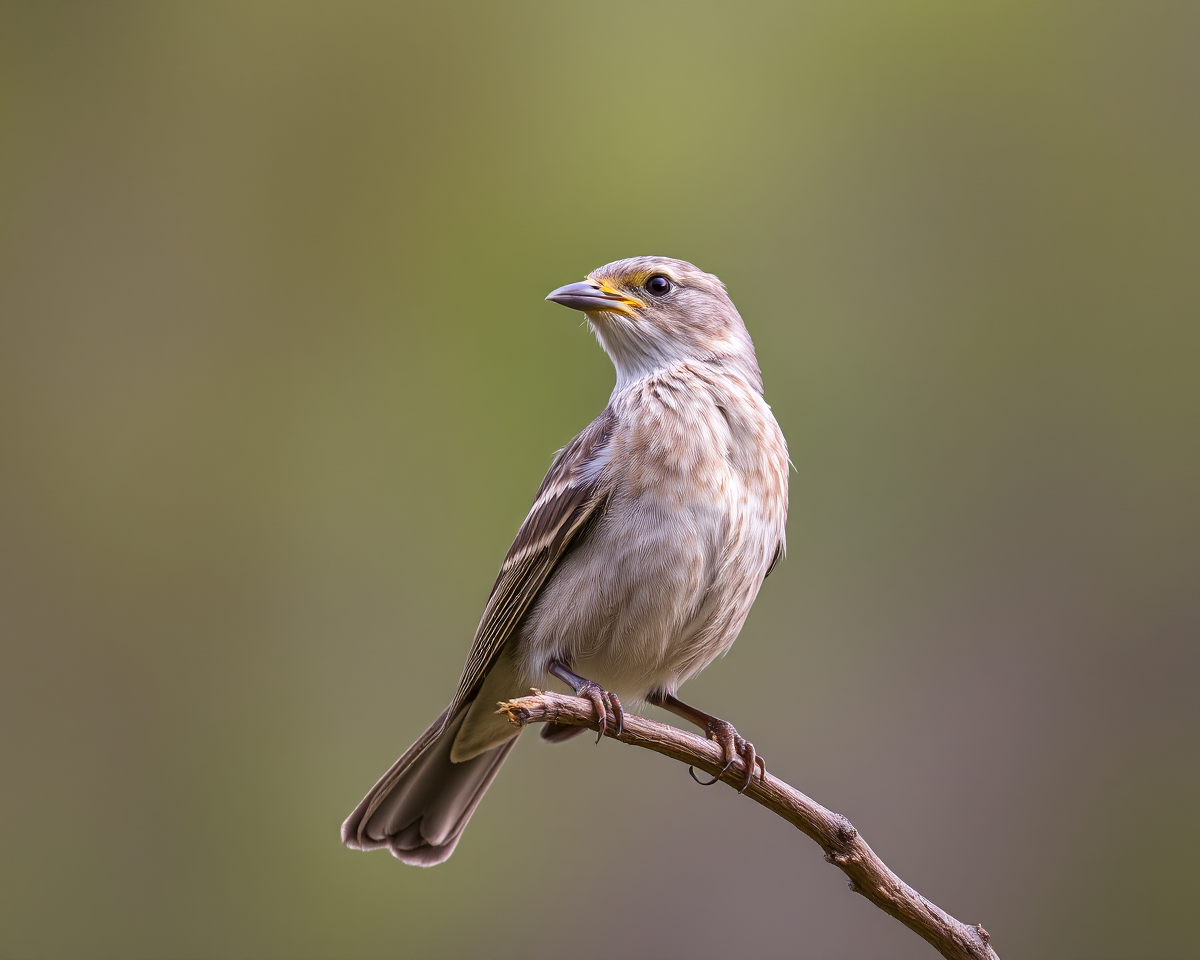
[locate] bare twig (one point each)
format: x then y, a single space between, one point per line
842 844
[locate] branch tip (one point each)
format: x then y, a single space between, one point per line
517 715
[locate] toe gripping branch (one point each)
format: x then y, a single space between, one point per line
721 732
606 703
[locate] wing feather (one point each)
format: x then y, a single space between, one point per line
571 496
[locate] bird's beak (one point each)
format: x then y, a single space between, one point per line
594 296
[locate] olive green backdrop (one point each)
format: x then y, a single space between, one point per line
277 385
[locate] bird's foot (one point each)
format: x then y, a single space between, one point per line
735 748
607 705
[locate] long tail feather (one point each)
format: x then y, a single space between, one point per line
421 806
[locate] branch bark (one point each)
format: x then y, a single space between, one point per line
843 845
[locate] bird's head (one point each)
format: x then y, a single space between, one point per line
652 312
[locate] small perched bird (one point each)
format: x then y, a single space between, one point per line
638 562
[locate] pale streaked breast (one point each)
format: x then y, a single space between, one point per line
664 580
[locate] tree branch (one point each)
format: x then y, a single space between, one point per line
843 845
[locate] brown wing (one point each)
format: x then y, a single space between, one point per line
570 497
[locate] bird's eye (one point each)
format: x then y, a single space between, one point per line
658 285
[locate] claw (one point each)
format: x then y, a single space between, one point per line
709 783
592 691
751 758
618 714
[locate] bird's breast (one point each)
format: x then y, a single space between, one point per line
663 581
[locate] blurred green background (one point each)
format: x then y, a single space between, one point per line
277 385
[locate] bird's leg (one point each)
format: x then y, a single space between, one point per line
721 731
604 702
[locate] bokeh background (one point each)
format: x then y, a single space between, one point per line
277 385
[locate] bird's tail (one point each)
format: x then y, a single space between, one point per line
421 806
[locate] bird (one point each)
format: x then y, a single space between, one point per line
637 565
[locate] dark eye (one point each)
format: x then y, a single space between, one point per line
658 285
